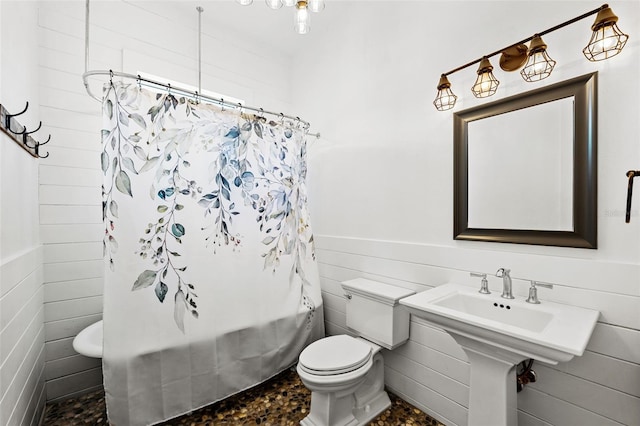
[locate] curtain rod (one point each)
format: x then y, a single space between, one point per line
195 95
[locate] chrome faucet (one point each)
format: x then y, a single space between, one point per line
506 282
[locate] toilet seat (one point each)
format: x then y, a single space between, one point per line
335 355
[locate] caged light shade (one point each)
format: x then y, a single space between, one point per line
445 99
539 65
486 83
606 40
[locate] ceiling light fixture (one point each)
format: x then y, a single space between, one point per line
606 41
302 17
302 21
274 4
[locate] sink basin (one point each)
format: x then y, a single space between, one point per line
549 332
497 334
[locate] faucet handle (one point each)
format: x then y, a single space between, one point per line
484 284
541 284
533 291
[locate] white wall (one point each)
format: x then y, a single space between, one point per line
159 38
21 313
381 183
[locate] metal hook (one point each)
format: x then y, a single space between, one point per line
25 136
45 142
110 77
241 108
281 118
261 113
8 118
168 88
197 97
139 80
221 104
37 149
297 122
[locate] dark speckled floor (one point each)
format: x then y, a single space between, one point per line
282 400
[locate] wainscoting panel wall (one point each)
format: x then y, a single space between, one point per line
600 388
21 339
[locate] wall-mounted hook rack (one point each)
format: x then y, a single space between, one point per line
19 133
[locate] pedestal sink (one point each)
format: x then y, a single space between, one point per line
497 334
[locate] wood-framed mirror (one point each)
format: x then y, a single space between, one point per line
525 167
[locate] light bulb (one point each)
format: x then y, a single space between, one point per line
316 5
245 2
274 4
302 22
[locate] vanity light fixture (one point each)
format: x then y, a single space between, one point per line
606 41
539 65
302 17
486 83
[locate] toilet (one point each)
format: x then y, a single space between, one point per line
345 374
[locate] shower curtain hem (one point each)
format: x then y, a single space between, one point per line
226 397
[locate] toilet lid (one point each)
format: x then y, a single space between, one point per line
335 355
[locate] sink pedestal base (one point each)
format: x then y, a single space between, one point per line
492 384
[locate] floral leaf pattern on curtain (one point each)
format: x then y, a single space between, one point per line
256 169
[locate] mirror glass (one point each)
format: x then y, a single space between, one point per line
520 174
525 167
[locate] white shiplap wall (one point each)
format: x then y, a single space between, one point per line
431 371
144 37
22 395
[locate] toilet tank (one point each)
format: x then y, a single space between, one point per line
373 311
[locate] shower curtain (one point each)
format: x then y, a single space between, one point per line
211 284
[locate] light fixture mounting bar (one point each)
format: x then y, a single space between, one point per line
528 39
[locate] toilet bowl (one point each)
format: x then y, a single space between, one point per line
345 374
